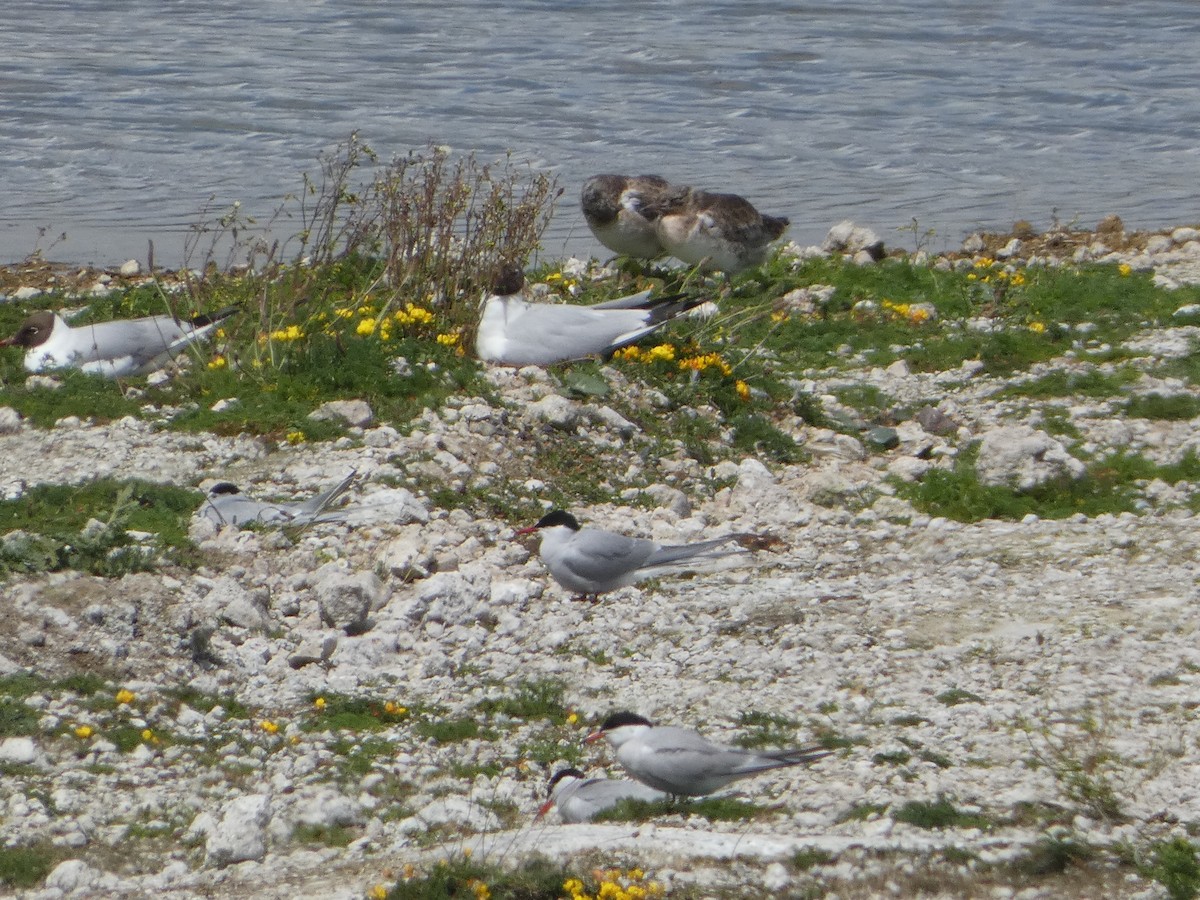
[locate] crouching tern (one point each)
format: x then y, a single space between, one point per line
591 561
514 331
227 505
116 349
684 763
579 798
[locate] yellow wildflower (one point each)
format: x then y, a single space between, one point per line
984 262
291 333
631 353
743 389
636 892
148 736
343 312
662 351
1037 327
365 327
1017 279
636 874
779 316
295 437
479 889
467 851
971 276
408 871
124 696
572 718
449 340
394 709
217 362
1124 269
378 892
268 726
319 703
553 277
83 732
220 334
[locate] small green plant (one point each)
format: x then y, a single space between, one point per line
535 879
956 695
939 814
86 527
24 867
861 812
808 858
1164 407
1174 865
531 701
449 731
1052 854
715 809
327 835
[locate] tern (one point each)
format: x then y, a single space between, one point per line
580 799
114 349
227 505
683 763
621 209
516 332
591 561
717 231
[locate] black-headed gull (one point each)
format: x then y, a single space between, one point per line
718 231
683 763
579 798
227 505
514 331
591 561
621 209
115 349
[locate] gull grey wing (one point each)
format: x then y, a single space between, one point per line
318 504
138 339
601 556
674 553
549 333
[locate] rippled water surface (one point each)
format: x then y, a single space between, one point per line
120 120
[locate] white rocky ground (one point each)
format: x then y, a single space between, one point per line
1068 649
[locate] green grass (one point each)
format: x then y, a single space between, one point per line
345 713
1069 383
1174 865
1109 485
534 879
939 814
765 730
530 701
204 703
954 696
1163 407
25 867
51 522
451 730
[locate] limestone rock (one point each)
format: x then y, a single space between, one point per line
1023 458
241 833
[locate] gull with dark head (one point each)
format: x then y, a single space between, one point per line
683 763
115 349
717 231
514 331
579 798
621 209
591 561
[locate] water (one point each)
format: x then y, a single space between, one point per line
120 120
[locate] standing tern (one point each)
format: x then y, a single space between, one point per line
717 231
114 349
580 799
591 561
621 209
516 332
682 762
227 505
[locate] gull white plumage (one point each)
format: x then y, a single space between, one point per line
591 561
514 331
227 505
682 762
114 349
621 209
579 798
716 231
